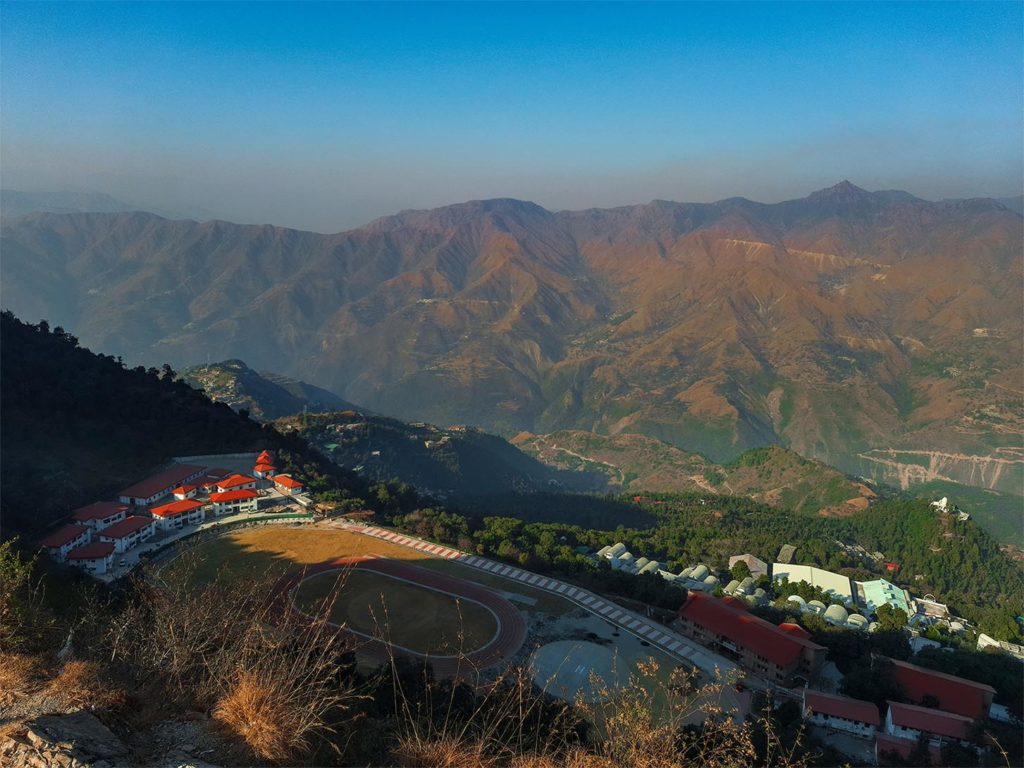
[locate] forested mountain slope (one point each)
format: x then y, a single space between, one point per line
265 396
75 427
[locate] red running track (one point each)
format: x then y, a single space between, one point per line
511 625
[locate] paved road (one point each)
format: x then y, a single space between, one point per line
671 643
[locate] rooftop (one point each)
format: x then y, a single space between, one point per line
99 510
841 706
176 508
63 535
126 527
744 629
904 747
287 481
161 481
234 480
234 495
930 720
92 551
955 694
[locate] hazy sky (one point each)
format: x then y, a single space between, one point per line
326 116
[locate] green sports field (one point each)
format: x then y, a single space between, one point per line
408 615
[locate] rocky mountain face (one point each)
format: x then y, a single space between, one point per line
843 325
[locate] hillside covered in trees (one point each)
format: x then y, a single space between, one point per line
77 426
933 553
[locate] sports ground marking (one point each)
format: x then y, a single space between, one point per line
581 597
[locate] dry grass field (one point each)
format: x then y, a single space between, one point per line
251 552
414 617
254 552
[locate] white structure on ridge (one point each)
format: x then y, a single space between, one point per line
833 584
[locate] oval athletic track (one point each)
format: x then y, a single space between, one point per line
507 641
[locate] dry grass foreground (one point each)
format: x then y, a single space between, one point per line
413 617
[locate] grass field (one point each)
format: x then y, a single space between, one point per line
431 622
273 550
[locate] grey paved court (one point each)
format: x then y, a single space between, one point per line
570 667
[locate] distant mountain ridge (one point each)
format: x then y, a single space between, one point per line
265 396
841 324
14 202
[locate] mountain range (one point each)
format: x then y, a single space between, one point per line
872 330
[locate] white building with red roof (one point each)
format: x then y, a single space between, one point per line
155 487
903 748
288 484
841 713
953 694
772 653
177 513
264 470
97 557
236 483
129 532
186 491
234 502
101 514
66 538
907 721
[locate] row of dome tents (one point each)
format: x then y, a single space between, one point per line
834 614
695 577
747 590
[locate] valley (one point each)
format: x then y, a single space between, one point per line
842 325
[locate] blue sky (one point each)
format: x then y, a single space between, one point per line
324 116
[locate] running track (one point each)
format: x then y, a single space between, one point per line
511 626
669 642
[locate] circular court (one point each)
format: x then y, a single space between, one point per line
571 669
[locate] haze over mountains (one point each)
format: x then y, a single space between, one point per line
875 331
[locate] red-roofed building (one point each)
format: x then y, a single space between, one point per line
795 629
97 557
66 538
953 694
889 745
841 713
265 457
129 532
101 514
906 721
161 484
236 483
186 491
287 484
264 470
759 645
177 514
234 502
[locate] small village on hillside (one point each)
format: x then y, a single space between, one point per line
936 711
106 538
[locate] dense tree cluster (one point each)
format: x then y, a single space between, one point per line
931 553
